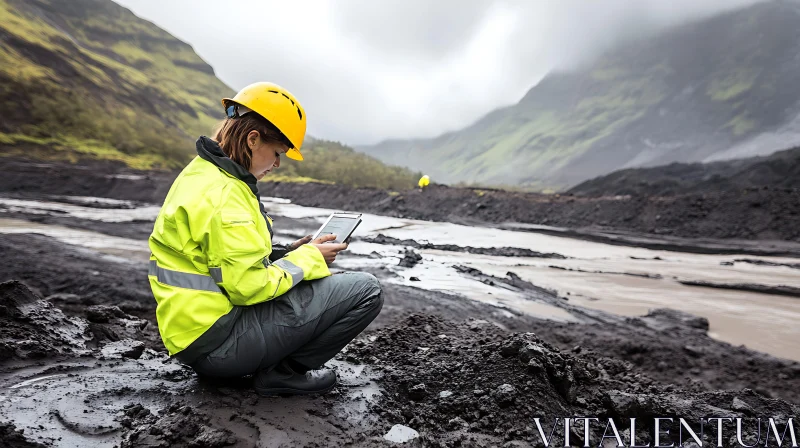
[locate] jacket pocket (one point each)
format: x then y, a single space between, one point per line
239 233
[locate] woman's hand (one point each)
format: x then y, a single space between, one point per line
304 240
329 250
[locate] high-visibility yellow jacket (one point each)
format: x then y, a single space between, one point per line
211 247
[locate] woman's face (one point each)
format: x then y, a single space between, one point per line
266 154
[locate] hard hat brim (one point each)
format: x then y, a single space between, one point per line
294 154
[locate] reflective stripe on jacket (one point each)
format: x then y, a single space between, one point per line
210 251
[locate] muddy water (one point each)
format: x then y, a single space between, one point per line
762 322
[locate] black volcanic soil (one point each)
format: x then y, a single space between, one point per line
83 326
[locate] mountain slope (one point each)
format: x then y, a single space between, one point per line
87 78
683 95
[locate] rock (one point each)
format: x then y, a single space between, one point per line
535 367
457 423
741 406
410 259
669 317
511 348
414 279
400 434
621 403
531 350
102 314
693 351
418 392
445 394
505 395
126 348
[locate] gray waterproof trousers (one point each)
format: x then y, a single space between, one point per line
309 324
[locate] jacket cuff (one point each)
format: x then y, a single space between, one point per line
310 260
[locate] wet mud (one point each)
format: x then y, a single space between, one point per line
81 364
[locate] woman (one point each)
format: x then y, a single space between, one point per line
229 302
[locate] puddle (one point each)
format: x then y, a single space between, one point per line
361 391
400 434
27 383
80 403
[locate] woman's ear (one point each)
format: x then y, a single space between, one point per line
252 139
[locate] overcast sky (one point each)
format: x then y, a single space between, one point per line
367 70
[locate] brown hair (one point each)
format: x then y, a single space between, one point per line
232 136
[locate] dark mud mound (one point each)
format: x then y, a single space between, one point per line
410 259
674 347
473 384
74 280
496 251
780 170
460 383
11 437
34 328
109 324
176 425
89 178
31 327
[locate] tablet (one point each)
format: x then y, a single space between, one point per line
340 224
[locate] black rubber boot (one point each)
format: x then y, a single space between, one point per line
283 380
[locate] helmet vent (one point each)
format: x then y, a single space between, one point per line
299 113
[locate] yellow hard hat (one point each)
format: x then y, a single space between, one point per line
277 105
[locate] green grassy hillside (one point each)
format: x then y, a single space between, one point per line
327 161
682 95
87 78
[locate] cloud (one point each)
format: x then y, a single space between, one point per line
370 70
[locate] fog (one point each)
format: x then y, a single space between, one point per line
371 70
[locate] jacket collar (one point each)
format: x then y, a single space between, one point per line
209 150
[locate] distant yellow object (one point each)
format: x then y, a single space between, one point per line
424 181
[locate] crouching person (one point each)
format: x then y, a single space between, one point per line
229 303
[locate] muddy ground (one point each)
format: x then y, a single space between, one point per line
82 364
